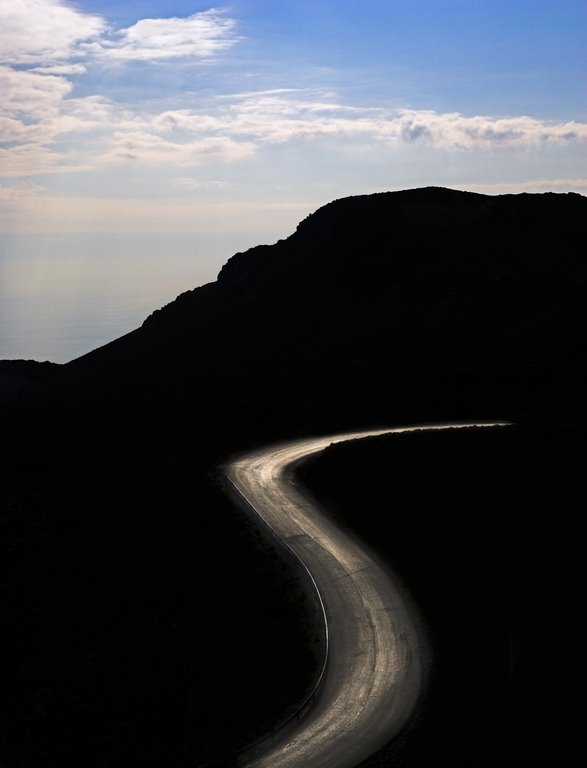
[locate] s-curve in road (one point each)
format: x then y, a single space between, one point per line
376 656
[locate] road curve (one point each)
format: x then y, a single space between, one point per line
375 665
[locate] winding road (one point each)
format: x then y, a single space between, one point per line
375 664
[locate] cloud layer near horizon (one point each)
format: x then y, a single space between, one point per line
39 111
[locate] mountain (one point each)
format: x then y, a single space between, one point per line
417 304
381 309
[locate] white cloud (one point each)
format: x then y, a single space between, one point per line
38 110
149 148
30 93
275 119
61 69
34 31
186 120
456 131
285 116
200 36
14 131
33 114
96 108
51 32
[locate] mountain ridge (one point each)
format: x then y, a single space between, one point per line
455 297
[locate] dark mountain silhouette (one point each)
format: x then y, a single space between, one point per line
382 309
423 302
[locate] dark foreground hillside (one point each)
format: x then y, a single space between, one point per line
143 621
486 530
144 618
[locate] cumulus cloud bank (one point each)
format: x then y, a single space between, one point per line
44 127
456 131
39 109
255 120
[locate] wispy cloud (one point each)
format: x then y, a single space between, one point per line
278 119
27 160
149 148
60 69
30 94
35 112
202 36
237 129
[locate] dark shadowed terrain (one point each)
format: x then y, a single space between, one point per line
486 531
146 622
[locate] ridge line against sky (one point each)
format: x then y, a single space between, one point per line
172 115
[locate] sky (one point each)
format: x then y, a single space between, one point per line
169 118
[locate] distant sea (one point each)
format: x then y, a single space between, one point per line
64 295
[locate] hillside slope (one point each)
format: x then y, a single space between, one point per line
427 296
382 309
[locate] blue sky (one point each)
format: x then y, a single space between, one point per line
180 117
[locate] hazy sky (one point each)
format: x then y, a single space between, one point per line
172 116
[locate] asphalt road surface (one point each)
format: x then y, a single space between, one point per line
376 653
